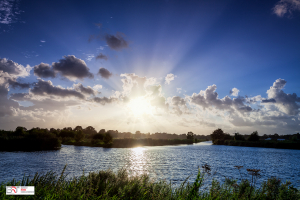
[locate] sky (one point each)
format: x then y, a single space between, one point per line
151 66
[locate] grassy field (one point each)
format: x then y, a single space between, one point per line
120 185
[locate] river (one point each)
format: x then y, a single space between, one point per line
170 163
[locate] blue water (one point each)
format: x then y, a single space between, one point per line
170 163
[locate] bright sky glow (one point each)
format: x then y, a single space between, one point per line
153 66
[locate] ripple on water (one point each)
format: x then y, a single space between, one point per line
170 163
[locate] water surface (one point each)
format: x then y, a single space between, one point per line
170 163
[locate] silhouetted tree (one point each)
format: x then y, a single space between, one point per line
254 136
102 131
107 138
20 130
78 128
98 136
79 136
218 134
190 136
89 130
238 136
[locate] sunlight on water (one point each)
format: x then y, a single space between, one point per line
138 160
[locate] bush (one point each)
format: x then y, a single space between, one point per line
254 136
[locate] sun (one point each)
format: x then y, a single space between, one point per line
140 106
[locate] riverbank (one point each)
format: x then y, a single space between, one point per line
131 142
260 143
121 185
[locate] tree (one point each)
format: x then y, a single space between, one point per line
79 136
102 131
254 136
218 134
89 130
190 136
107 138
78 128
20 130
238 136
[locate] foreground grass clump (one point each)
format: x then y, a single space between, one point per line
120 185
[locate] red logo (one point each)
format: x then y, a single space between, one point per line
14 189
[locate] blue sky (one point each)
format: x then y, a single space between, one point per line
155 58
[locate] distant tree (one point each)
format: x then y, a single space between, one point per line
238 136
218 134
89 130
190 136
98 136
127 135
79 136
67 129
138 134
102 131
20 130
254 136
107 138
78 128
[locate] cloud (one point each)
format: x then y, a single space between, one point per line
14 84
6 105
179 104
268 101
179 90
101 56
46 88
116 42
43 41
72 68
8 11
234 92
208 99
97 87
89 57
104 100
14 68
169 78
287 103
44 70
85 90
104 73
284 7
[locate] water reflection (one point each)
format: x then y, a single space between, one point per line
138 160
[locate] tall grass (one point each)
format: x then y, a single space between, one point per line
120 185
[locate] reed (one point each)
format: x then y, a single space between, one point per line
109 185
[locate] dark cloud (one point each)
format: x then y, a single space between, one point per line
104 73
268 101
85 90
13 68
104 100
101 56
7 106
14 84
45 88
45 104
72 68
116 42
44 70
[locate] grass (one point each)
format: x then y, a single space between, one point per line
120 185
